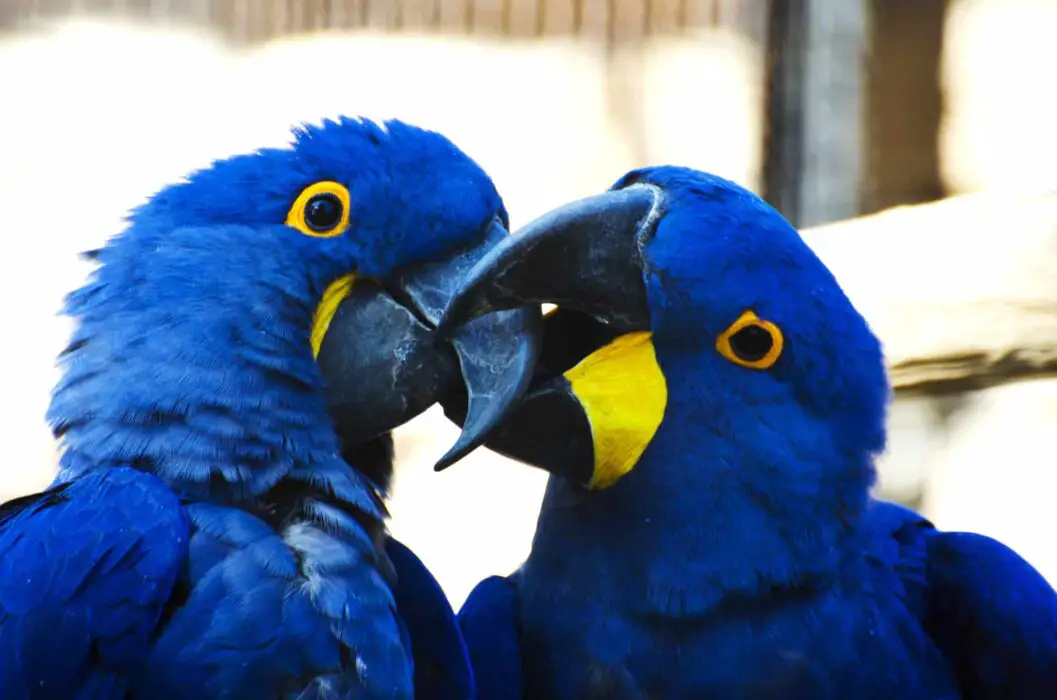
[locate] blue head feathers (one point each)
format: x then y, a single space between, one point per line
412 196
201 337
702 360
710 404
719 252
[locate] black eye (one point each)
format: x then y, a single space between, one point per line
752 343
323 212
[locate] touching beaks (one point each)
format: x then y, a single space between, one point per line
586 256
383 363
598 395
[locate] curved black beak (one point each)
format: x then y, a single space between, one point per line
549 428
383 364
587 258
586 255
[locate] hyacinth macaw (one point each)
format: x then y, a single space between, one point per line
709 404
216 529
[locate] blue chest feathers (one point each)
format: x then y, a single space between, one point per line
301 610
827 646
635 618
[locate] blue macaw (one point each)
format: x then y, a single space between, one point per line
710 404
216 529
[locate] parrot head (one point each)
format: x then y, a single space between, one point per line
285 278
693 323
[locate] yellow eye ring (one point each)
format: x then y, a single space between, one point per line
751 342
321 210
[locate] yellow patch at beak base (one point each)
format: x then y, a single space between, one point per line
328 306
624 394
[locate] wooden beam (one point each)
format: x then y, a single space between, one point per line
262 20
963 292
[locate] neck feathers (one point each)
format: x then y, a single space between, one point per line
709 519
202 377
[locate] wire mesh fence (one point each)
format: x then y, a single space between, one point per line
854 105
257 20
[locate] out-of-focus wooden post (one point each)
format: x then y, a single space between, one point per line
816 108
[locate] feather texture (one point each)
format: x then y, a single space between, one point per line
205 536
742 556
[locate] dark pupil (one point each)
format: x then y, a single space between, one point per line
323 212
751 343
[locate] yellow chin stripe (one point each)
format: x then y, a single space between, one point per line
328 306
622 390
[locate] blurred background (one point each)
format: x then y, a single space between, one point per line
839 112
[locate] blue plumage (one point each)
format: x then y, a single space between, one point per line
205 537
489 623
85 583
742 556
442 668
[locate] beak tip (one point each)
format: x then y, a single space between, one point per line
496 376
476 431
459 450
